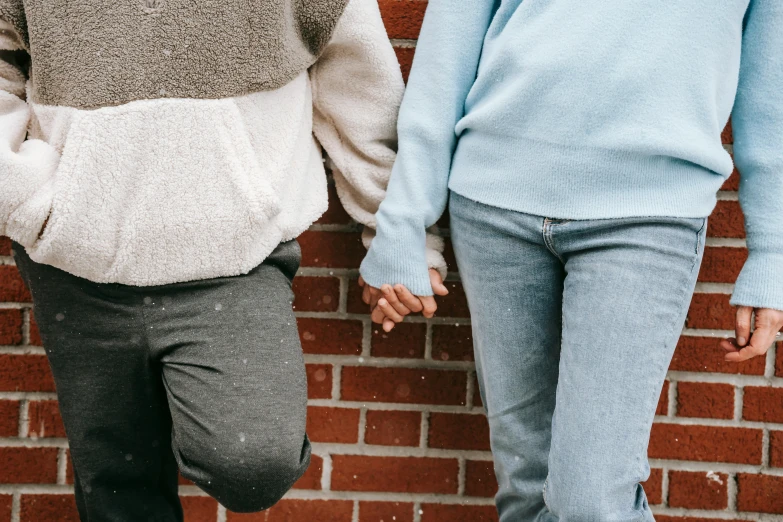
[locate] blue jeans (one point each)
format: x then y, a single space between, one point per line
574 326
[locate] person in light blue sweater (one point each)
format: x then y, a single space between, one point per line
577 143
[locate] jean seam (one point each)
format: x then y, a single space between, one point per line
546 231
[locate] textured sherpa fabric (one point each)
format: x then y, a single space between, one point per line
168 190
97 53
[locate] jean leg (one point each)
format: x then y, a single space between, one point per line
625 299
514 286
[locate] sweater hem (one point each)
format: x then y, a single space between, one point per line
579 183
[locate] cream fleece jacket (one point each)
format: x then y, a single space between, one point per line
164 190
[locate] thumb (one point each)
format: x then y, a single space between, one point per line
438 288
744 314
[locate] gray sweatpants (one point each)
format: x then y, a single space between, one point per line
207 376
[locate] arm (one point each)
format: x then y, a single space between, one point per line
357 89
24 165
758 150
444 69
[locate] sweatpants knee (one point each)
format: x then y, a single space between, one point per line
254 480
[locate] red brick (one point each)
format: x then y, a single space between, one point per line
653 487
9 418
477 393
340 425
761 403
726 136
405 58
705 443
393 428
722 264
778 359
45 420
12 288
290 510
405 341
330 336
394 474
331 249
5 508
404 385
199 509
455 304
25 373
732 183
335 214
726 220
35 334
319 381
182 481
480 478
698 490
385 512
5 246
48 508
452 343
312 477
355 304
759 493
663 400
711 311
11 326
704 354
403 18
463 513
705 400
316 294
776 449
666 518
28 465
462 431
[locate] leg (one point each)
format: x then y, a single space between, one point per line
111 397
514 287
626 294
234 373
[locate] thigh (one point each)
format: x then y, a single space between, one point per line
234 373
625 298
110 395
513 285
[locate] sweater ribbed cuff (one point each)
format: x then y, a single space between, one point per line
398 255
760 283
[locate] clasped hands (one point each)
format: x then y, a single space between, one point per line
390 304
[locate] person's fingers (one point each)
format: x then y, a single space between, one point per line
391 296
388 325
408 299
436 281
429 306
361 281
760 341
389 311
744 314
730 344
375 294
366 294
377 316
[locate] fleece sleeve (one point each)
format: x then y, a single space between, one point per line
444 69
757 121
25 165
357 89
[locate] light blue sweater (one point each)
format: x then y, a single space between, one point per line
590 109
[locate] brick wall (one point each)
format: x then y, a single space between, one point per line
396 420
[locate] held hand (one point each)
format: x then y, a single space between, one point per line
390 304
746 345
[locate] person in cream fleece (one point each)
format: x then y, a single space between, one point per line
157 160
577 143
